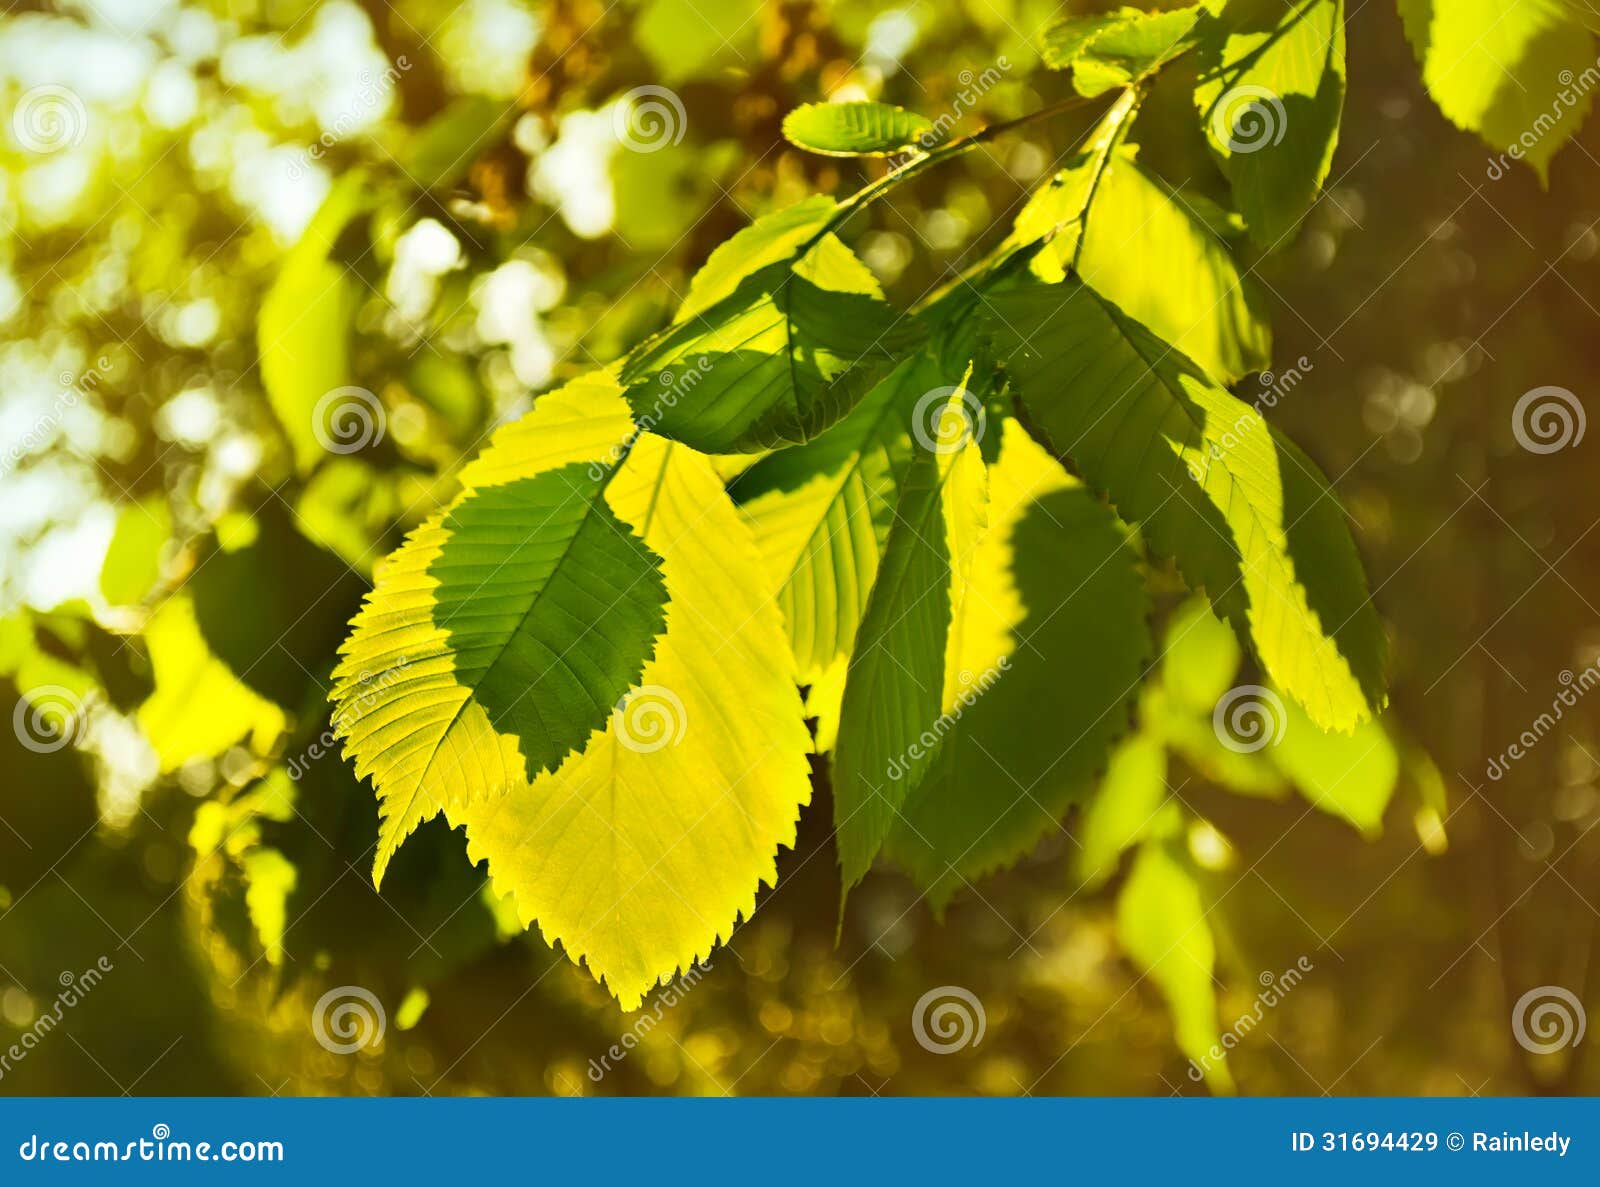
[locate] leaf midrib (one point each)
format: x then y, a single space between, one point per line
499 654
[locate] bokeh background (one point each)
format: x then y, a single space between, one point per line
159 162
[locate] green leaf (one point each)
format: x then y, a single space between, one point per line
1271 92
1199 658
855 129
1351 776
771 239
1150 254
1047 649
897 685
821 513
348 507
133 558
1112 49
1200 666
1161 924
1063 43
1505 69
505 629
303 330
1130 805
199 708
1244 513
776 362
643 852
1194 739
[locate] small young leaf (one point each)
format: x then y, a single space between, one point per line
854 129
1199 658
1063 43
1192 736
1351 776
1112 49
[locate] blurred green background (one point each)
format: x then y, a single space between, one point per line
161 162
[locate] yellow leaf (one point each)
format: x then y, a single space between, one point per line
644 851
481 657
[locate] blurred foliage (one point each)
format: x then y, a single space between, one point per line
179 557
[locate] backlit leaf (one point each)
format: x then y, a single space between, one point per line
643 852
1131 803
821 513
784 356
1351 776
304 327
199 707
1199 658
1506 70
854 129
133 558
771 239
1161 923
896 687
1048 646
504 630
1106 50
1196 299
1270 95
1244 513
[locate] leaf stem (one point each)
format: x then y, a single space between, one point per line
871 192
1109 136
